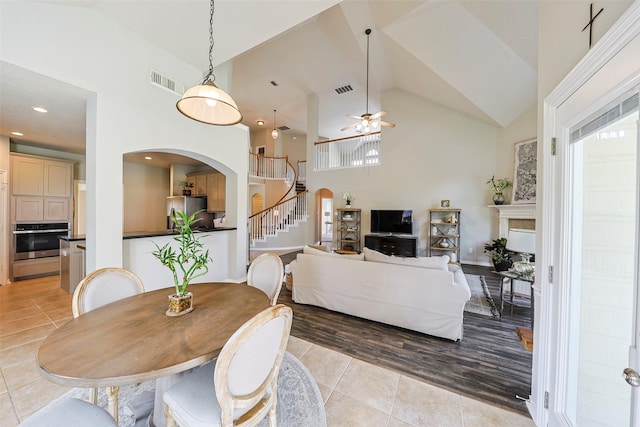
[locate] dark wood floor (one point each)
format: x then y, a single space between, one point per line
489 364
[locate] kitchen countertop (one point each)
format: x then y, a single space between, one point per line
143 234
73 238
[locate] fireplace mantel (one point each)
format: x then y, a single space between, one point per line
508 212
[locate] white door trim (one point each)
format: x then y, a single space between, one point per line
547 320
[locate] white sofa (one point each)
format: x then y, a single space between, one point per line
428 298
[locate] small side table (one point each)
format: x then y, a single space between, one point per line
511 277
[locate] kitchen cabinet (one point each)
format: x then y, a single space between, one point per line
72 264
216 192
38 176
41 188
199 182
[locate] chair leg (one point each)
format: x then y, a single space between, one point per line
167 414
112 399
93 395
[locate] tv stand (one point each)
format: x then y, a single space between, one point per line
389 244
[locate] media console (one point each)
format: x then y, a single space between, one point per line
405 246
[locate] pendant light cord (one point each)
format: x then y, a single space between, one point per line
210 76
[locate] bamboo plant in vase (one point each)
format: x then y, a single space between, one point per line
186 263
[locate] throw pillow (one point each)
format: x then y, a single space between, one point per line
434 262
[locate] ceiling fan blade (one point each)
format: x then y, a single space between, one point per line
354 117
387 124
350 126
378 114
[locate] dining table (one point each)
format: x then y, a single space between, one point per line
132 340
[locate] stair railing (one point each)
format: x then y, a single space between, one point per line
279 217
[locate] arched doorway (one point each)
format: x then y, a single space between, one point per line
324 217
257 203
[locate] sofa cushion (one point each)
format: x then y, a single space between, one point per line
308 250
434 262
324 248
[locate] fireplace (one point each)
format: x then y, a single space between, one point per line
515 216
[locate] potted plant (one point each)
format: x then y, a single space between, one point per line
186 187
499 254
348 198
499 185
186 263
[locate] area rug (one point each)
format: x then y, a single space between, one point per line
299 400
481 301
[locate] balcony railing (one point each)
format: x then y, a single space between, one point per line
349 152
268 167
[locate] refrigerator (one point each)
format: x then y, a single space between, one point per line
189 205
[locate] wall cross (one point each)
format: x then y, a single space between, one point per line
590 23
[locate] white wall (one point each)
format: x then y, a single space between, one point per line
125 113
433 153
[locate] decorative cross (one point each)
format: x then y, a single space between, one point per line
590 24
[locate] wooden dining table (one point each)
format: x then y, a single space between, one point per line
132 340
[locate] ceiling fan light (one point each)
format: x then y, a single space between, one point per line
359 127
375 124
365 123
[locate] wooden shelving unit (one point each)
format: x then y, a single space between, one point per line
349 236
444 233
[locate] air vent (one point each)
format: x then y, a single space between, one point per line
283 127
344 89
160 80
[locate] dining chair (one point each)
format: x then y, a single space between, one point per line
70 412
266 273
244 377
102 287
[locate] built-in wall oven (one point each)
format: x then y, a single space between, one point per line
42 240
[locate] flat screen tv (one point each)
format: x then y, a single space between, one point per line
392 221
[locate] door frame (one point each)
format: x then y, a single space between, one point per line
551 315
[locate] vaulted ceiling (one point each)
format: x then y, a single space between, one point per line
475 57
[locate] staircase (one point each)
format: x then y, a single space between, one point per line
290 210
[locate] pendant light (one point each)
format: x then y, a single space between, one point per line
274 132
206 102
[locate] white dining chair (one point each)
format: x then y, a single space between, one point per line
266 273
239 388
70 412
102 287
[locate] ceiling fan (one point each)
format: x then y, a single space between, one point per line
368 122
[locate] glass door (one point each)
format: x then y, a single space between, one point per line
602 266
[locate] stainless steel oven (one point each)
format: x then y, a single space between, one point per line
31 241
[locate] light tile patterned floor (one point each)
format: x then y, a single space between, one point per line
355 393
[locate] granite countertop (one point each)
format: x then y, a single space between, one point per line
143 234
73 237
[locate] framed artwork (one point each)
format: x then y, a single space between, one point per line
524 179
444 203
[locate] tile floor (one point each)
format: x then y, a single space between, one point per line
355 393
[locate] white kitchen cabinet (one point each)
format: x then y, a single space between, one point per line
41 188
28 208
27 176
57 178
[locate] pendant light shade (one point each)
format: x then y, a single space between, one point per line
274 132
206 102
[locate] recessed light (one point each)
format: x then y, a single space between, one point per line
260 122
294 137
17 133
40 109
147 158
